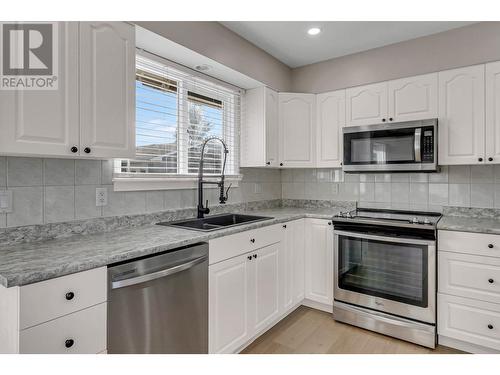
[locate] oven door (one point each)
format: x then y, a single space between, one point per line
388 274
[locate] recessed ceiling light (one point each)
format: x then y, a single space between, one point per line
202 67
314 31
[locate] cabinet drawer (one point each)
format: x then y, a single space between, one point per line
236 244
469 276
469 243
469 320
87 329
48 300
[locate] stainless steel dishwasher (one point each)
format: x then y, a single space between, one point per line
159 304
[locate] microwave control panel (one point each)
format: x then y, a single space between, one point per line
428 145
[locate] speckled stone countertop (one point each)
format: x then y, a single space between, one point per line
477 220
26 263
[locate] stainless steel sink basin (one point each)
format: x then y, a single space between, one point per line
215 222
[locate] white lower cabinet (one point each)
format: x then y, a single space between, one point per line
319 261
292 264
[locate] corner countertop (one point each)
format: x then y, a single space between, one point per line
489 225
27 263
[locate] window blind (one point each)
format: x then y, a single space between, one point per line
175 111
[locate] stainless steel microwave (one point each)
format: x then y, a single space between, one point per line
409 146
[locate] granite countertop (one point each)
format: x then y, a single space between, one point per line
27 263
470 224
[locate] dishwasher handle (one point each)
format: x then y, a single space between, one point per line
158 274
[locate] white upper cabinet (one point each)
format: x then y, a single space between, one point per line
259 135
413 98
462 116
493 112
366 105
92 112
296 119
330 118
45 122
107 89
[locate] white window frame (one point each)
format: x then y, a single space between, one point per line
182 180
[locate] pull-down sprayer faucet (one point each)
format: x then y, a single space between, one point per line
202 211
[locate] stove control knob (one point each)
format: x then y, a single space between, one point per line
348 214
414 220
426 221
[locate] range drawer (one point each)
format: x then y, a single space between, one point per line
53 298
469 276
469 243
240 243
469 320
86 329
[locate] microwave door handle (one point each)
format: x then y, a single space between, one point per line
418 151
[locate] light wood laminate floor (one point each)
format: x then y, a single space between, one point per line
310 331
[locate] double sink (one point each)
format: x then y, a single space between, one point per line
214 222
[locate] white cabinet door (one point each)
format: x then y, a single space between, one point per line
296 118
229 324
319 261
413 98
366 105
461 116
330 118
45 122
292 260
493 112
264 287
107 89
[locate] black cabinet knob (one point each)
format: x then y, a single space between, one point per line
69 343
87 150
252 240
490 326
284 226
70 295
480 159
74 149
281 164
490 246
255 256
249 257
491 281
329 223
490 159
383 120
390 118
268 163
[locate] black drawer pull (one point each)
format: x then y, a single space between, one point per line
490 246
490 326
491 281
69 343
252 240
284 226
249 257
490 159
254 256
70 296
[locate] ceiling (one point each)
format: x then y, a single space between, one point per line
289 42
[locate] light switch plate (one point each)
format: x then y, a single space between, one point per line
101 197
5 201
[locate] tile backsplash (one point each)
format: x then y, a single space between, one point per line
463 186
58 190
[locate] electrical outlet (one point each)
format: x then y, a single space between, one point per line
5 201
335 189
101 197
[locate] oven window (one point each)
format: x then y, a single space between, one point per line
383 149
388 270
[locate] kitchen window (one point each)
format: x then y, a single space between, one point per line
176 109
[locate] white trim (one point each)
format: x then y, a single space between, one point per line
465 346
175 182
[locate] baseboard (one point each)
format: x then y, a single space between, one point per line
465 346
318 305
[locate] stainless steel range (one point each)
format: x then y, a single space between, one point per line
385 272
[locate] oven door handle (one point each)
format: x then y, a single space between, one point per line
418 151
385 238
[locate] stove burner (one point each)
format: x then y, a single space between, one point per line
391 217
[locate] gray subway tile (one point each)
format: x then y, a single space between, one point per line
85 207
189 198
482 195
87 172
438 194
155 201
400 177
349 191
124 203
107 171
400 192
382 192
59 172
459 195
59 204
172 199
439 177
298 175
480 174
3 220
24 171
367 191
3 171
419 194
27 206
459 174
